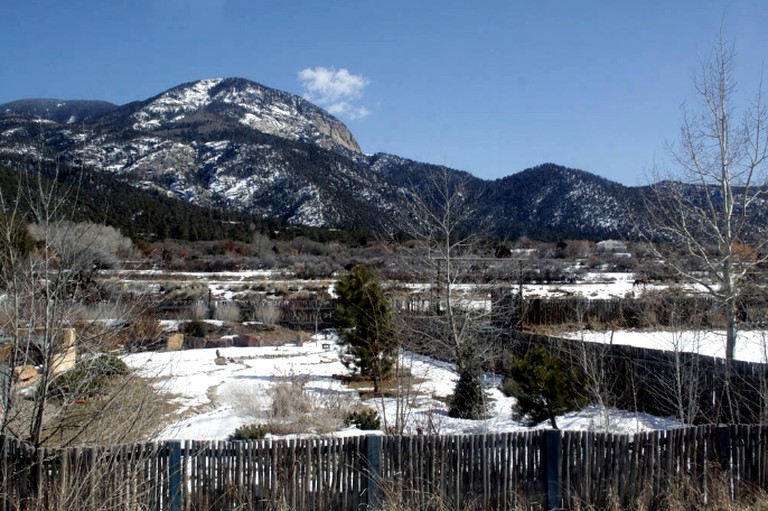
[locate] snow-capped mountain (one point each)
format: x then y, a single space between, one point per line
246 103
236 145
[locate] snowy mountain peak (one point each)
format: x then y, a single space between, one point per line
174 104
248 104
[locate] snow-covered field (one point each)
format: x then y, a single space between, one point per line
212 394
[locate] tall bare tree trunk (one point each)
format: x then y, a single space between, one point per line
713 208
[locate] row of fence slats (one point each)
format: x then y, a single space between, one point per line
610 470
489 471
318 473
752 458
84 477
494 471
632 312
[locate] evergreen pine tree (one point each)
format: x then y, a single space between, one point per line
364 315
469 400
544 387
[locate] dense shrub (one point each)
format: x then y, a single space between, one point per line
196 328
469 400
88 377
363 418
249 432
364 314
107 365
544 387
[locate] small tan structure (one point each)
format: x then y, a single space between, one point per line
27 374
68 357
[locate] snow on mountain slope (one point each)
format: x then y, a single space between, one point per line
250 104
233 144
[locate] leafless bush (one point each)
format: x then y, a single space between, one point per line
228 312
224 263
288 407
176 291
98 244
250 400
266 261
305 246
313 268
101 311
267 312
198 311
334 406
289 398
295 410
429 422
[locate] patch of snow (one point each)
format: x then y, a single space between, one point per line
751 345
205 389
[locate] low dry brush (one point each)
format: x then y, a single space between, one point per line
290 407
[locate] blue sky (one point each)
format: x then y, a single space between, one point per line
492 87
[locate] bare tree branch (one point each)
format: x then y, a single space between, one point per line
715 206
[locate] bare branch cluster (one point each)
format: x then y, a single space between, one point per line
716 206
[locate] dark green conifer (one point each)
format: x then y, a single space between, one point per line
365 318
544 387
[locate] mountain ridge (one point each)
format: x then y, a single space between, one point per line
58 110
235 144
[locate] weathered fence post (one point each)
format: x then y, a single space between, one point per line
724 446
174 476
373 466
724 451
552 463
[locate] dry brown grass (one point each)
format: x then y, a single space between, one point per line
131 409
394 498
682 494
685 494
395 387
227 312
288 407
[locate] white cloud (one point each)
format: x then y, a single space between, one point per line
335 90
348 110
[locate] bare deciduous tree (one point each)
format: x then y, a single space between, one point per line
714 206
445 252
47 293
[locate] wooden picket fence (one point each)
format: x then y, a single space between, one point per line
524 470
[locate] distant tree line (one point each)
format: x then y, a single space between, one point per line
147 214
